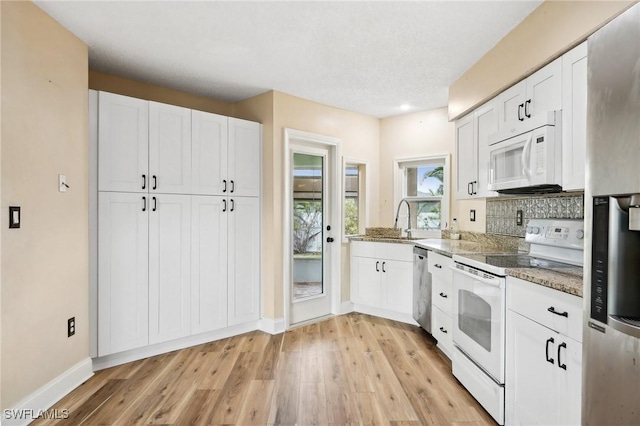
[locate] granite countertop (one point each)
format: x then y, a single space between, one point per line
400 240
450 247
567 280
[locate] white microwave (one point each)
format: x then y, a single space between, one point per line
526 157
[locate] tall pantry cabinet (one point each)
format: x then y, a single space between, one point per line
178 222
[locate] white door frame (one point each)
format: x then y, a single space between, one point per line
334 249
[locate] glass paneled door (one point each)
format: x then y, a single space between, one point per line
310 284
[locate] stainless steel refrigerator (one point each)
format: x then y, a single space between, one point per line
611 344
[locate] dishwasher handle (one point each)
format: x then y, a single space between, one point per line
491 281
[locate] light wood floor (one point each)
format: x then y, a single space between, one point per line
351 369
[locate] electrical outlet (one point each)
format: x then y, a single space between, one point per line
519 218
71 326
472 215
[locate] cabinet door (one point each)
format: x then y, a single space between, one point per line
531 387
508 105
123 143
574 117
244 259
570 383
466 155
208 153
169 267
208 263
397 286
169 149
366 286
544 89
123 293
485 123
244 157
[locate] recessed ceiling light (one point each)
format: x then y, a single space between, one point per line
405 107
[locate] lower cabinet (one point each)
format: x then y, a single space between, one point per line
544 365
442 301
170 266
382 277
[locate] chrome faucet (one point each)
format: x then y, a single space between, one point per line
395 225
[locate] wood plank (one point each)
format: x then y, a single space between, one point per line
369 410
220 365
198 408
359 376
255 410
293 340
284 406
311 367
94 402
269 363
312 406
341 399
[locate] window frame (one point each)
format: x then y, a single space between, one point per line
399 183
363 190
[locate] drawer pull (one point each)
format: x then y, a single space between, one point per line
443 295
438 266
549 340
562 314
443 330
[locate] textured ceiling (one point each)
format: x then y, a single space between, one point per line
367 57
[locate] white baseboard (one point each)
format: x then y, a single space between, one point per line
345 308
384 313
112 360
26 410
272 326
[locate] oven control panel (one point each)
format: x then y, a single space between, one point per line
567 233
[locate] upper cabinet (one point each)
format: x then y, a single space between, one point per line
209 153
574 117
123 150
472 151
538 93
244 158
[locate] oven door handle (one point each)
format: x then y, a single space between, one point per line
491 281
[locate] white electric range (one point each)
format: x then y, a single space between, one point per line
479 303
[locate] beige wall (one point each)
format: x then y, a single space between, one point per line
408 136
359 136
45 262
550 30
151 92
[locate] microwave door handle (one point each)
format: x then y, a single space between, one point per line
526 157
490 281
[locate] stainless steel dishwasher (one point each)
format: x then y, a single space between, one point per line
421 288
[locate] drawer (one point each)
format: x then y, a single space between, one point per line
439 266
539 303
442 295
389 251
441 330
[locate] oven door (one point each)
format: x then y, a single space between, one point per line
479 318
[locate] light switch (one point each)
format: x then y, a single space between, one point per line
14 217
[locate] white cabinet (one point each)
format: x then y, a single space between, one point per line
472 151
442 301
544 355
382 277
244 259
169 149
538 93
208 263
244 158
209 153
123 268
123 147
574 117
169 267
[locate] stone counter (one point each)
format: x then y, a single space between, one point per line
450 247
567 280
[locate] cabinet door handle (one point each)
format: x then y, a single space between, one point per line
443 330
155 183
549 340
470 188
443 295
144 181
377 266
438 266
224 182
224 205
384 263
233 186
155 204
474 185
421 257
562 314
144 204
233 205
560 364
520 107
526 108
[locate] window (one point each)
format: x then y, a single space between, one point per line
354 197
424 182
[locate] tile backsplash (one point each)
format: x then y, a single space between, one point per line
501 212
